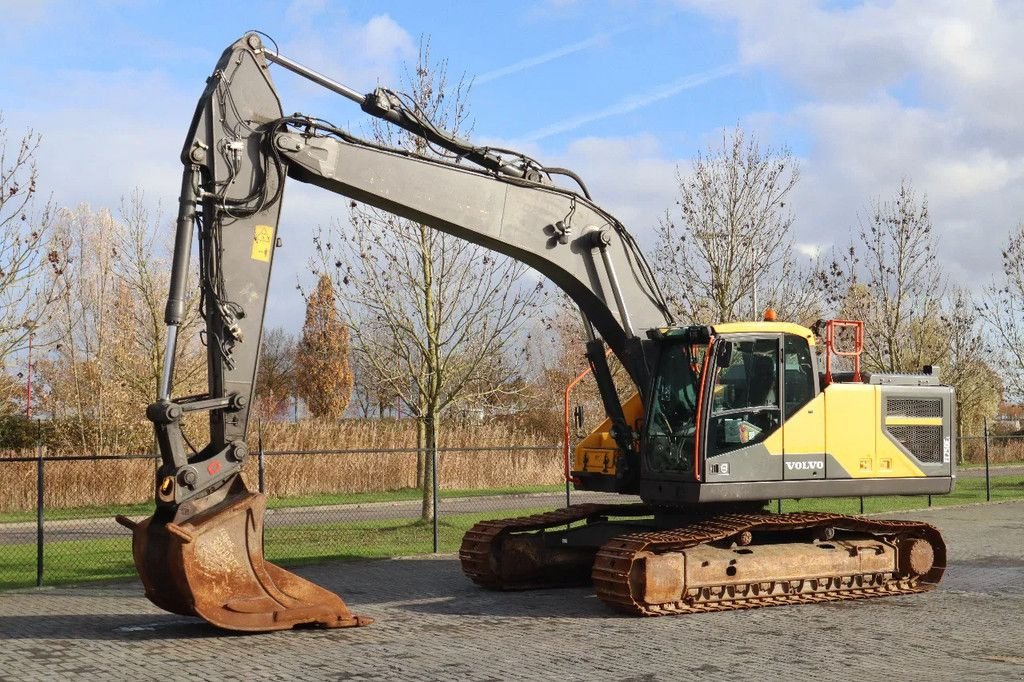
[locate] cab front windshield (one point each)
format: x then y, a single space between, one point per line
672 422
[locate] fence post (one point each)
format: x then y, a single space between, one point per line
862 505
40 491
259 455
988 480
780 505
433 467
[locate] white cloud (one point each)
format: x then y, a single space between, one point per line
359 55
629 176
809 250
20 16
931 92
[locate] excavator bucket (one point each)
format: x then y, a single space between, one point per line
211 565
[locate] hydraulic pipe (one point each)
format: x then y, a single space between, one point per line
613 280
383 110
565 407
174 313
170 347
314 76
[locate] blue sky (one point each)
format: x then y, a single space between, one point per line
623 92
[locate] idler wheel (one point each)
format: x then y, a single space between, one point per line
918 556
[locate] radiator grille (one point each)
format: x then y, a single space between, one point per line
923 442
912 407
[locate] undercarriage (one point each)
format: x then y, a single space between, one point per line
651 562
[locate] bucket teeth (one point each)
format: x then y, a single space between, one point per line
211 565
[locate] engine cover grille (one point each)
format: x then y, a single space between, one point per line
923 442
913 407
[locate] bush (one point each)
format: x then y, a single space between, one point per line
17 432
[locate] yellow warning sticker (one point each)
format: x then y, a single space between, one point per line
262 243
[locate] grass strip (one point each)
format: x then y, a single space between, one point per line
73 561
76 561
404 495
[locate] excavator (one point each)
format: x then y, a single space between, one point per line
723 418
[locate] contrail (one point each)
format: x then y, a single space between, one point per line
632 103
531 62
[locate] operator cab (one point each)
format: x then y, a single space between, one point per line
725 389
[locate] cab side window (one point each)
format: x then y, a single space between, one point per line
745 401
799 373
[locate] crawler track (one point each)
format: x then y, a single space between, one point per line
476 552
615 567
615 560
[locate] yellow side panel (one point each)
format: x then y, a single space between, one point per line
598 450
913 421
803 433
854 437
851 424
890 460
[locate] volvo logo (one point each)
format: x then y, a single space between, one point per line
805 465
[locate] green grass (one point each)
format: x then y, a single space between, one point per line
74 561
294 545
994 465
85 560
93 512
407 494
404 495
66 562
968 490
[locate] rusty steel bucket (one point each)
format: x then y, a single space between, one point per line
211 565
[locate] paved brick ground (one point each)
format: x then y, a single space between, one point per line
433 624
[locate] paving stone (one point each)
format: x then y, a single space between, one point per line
433 624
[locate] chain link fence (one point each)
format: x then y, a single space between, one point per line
57 526
57 512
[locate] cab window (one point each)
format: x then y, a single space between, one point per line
672 423
799 373
745 406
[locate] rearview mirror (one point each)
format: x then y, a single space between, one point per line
577 419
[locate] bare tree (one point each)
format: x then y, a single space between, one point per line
28 260
556 356
438 317
321 364
733 236
965 365
373 392
275 379
892 281
142 272
890 278
104 366
1000 309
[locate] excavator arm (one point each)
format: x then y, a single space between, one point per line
201 552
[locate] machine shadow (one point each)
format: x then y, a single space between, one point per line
437 585
432 586
119 627
568 602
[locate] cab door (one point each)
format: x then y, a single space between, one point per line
803 431
744 414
